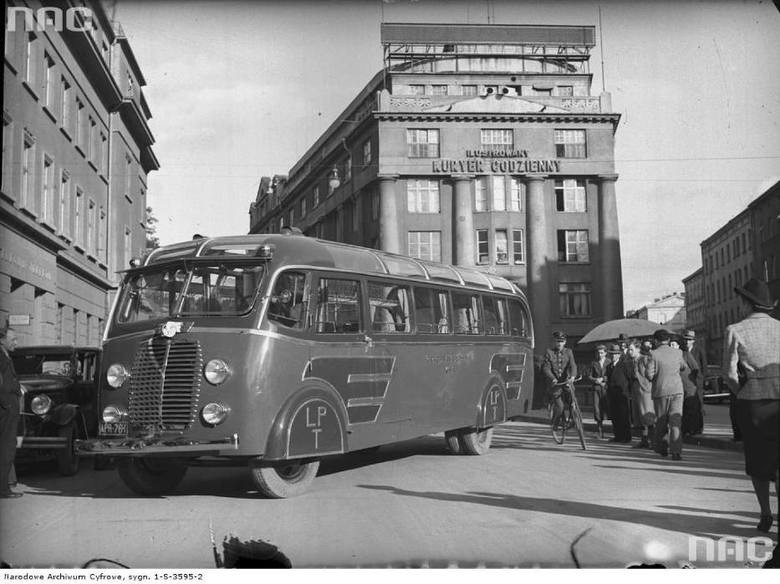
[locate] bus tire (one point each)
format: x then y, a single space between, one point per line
452 438
150 477
476 442
284 479
67 458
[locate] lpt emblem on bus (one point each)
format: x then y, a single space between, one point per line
315 429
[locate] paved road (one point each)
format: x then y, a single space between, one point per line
523 504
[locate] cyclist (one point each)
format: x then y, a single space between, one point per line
560 370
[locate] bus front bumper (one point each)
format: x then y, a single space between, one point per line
140 447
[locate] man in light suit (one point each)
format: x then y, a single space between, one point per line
664 368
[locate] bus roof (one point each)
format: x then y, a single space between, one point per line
302 250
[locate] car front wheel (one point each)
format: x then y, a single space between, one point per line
67 457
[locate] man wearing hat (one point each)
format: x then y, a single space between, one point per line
620 374
665 368
597 375
560 370
693 412
751 367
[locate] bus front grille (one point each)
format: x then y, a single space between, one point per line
165 384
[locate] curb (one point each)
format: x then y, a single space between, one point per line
700 440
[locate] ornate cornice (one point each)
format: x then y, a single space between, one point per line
498 117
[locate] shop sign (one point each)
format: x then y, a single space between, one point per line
498 166
22 259
18 320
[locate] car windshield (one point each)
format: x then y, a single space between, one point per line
44 364
213 288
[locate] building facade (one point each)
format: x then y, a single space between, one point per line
668 310
695 302
476 145
765 224
77 150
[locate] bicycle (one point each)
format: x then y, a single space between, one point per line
572 415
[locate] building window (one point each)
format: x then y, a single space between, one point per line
502 247
574 299
292 217
92 154
468 90
366 152
128 174
29 57
28 160
92 229
80 129
303 207
480 194
8 148
422 143
417 90
499 193
425 245
127 247
65 104
570 144
517 246
103 153
516 195
315 197
438 90
79 218
492 139
47 191
281 223
422 196
49 82
356 215
570 196
573 246
348 168
483 249
564 90
101 238
65 204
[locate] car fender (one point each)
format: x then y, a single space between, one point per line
310 424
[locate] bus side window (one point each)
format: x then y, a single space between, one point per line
289 300
389 308
491 315
466 315
338 306
518 317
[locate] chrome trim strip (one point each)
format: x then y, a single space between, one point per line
365 401
369 377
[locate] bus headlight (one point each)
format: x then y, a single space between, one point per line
40 404
114 414
214 413
116 375
216 371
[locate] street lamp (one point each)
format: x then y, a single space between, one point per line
333 180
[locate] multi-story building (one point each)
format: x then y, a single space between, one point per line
765 223
668 310
476 145
76 153
695 302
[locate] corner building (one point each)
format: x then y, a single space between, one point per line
476 145
77 150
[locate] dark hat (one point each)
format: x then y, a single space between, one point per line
689 335
756 292
662 335
601 347
559 335
615 349
623 337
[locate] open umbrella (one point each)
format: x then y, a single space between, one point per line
612 329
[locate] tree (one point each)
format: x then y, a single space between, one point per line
152 241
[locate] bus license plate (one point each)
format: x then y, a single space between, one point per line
112 429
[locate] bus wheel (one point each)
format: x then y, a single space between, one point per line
476 442
286 479
68 458
151 476
453 443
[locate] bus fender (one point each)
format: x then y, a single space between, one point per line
492 408
312 423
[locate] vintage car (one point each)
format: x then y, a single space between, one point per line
715 388
60 401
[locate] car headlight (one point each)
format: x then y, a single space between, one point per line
116 375
114 414
214 413
40 404
216 371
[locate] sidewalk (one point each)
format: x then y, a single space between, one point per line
714 435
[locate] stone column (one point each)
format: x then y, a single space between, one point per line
536 238
464 251
610 275
389 232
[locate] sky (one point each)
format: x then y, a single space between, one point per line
240 90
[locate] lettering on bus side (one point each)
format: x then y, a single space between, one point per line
361 382
511 367
315 429
494 408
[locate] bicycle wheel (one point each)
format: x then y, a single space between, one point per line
558 427
577 415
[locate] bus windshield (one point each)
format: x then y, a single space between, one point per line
188 289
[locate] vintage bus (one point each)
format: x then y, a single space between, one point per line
274 351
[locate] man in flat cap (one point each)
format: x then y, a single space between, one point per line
560 370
